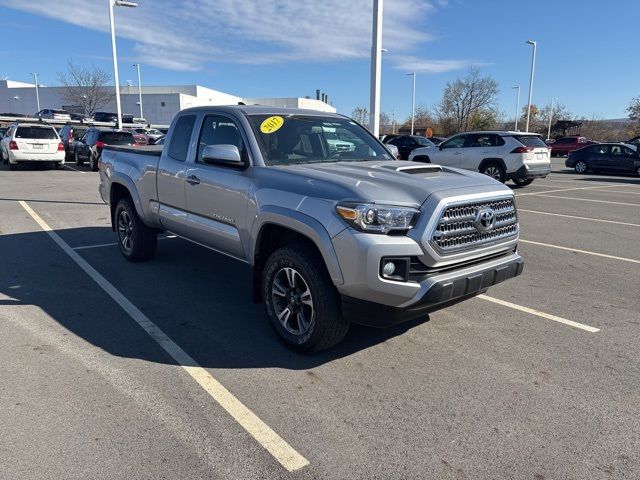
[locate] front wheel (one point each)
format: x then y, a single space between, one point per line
301 302
581 166
523 182
137 242
495 171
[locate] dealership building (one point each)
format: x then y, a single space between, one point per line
159 103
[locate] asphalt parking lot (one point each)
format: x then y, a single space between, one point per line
536 380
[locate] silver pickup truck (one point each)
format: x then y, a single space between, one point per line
333 236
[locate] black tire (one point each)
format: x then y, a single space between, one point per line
59 165
581 167
136 241
638 171
12 166
93 163
77 159
523 182
493 170
422 159
325 325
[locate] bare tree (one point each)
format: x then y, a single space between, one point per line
86 87
361 115
468 98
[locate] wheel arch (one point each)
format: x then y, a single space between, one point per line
122 187
279 226
487 161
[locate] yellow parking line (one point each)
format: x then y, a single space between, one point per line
260 431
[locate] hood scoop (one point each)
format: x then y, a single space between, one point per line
415 169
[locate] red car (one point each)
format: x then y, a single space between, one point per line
564 145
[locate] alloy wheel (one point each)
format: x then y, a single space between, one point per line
581 167
292 301
493 172
125 230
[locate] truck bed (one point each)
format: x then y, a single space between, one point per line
151 150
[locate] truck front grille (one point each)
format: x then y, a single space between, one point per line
461 228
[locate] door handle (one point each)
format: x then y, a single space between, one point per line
193 180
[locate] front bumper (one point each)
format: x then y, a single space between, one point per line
436 291
530 171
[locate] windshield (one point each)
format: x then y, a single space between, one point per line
40 133
293 139
424 141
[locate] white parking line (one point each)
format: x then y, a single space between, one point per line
590 200
579 218
612 257
586 182
260 431
565 190
548 316
74 169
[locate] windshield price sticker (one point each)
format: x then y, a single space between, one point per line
271 124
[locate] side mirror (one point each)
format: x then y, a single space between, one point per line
440 147
224 154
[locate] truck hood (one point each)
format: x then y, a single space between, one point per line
383 182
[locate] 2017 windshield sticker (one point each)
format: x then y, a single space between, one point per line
271 124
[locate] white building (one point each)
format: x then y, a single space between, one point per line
159 103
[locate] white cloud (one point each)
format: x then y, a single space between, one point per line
185 35
414 64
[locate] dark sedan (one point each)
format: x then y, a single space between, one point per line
605 157
408 143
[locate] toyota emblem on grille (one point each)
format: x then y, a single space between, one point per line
485 219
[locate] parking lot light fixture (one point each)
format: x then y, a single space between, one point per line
517 87
137 65
35 82
533 66
116 80
413 101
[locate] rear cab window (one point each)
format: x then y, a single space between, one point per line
181 137
531 141
40 133
116 138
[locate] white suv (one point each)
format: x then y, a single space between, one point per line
25 142
516 156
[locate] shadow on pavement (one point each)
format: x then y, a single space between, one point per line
603 177
199 298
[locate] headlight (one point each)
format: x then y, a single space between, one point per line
378 218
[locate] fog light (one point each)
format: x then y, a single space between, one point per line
388 269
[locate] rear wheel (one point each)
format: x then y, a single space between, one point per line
78 160
137 242
523 182
301 302
494 170
581 166
12 166
93 163
59 165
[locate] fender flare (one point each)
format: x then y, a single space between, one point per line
302 224
126 182
492 160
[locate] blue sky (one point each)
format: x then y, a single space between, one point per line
278 48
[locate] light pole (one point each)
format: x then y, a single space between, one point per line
117 3
550 117
533 66
413 100
137 65
376 60
35 81
517 87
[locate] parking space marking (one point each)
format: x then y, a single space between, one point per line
548 316
565 190
586 182
579 218
74 169
590 200
286 455
587 252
